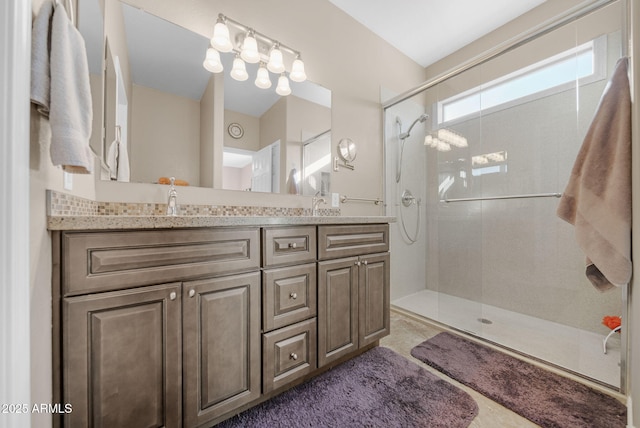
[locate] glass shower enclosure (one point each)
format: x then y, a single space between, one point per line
475 164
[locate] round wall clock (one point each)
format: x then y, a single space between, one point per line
235 130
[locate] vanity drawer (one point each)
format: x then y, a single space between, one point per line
345 241
101 261
288 353
288 245
289 295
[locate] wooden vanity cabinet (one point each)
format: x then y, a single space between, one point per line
125 336
186 327
353 291
122 358
289 305
221 345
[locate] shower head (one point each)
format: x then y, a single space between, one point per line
420 119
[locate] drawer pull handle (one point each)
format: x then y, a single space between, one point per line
293 356
192 292
173 295
293 296
293 245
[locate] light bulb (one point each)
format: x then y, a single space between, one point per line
249 51
262 79
220 39
428 140
212 61
239 70
275 64
283 87
297 71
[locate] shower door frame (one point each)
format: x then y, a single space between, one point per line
559 21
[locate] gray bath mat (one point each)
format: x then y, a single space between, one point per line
379 388
546 398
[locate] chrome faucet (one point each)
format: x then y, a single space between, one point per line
315 202
172 203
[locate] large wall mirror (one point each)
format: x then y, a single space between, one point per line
180 120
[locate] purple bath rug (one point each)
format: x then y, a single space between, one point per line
544 397
379 388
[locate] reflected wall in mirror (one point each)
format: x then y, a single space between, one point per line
179 113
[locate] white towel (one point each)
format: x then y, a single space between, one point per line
597 200
112 159
123 162
70 110
40 48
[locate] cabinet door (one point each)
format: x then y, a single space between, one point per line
122 358
374 305
337 309
221 348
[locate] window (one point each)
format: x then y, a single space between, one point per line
583 64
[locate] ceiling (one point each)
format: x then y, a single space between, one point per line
429 30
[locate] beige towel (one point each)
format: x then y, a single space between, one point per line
40 47
70 111
597 200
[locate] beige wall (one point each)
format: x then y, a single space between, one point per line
165 136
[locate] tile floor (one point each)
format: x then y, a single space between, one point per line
408 331
568 347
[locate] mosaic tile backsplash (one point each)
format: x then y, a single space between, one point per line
62 204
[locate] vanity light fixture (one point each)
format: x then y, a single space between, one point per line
297 70
252 46
221 40
249 52
283 87
212 62
262 79
276 62
239 70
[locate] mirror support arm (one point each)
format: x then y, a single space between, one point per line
336 164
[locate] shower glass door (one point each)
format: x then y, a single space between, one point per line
499 146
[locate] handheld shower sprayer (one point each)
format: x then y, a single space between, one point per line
402 136
405 135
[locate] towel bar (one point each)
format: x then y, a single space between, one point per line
491 198
346 198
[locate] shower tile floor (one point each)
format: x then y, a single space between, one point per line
567 347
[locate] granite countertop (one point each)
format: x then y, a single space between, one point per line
102 222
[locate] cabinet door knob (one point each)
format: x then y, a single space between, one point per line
293 356
292 245
364 262
173 295
294 296
192 292
358 263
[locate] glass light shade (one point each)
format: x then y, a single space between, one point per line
275 64
262 79
220 39
249 51
212 62
428 140
297 71
239 70
283 87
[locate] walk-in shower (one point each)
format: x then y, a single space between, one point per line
474 181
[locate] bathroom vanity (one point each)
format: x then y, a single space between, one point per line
160 324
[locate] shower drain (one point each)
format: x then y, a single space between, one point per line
485 321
